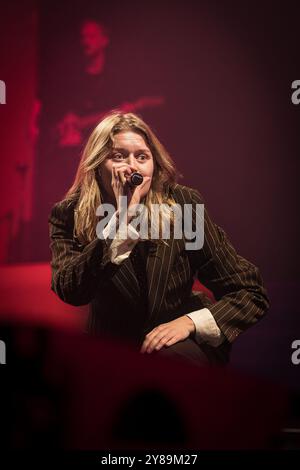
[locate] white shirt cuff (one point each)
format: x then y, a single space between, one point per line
207 330
120 240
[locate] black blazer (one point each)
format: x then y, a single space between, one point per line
84 274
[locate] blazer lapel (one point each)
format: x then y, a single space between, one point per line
126 281
159 262
160 259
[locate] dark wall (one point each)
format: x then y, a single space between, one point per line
225 72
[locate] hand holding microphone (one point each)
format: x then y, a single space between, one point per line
133 179
136 178
127 181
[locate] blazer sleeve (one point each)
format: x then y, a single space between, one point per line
76 270
241 298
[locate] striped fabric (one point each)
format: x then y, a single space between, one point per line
84 274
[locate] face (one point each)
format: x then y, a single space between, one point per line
93 38
129 148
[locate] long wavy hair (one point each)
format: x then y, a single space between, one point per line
86 188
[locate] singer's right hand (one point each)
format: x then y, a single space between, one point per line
120 175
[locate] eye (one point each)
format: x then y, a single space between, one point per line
117 156
142 157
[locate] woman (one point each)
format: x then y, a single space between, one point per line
140 287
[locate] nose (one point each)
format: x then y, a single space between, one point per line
132 162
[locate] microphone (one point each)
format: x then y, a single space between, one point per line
136 178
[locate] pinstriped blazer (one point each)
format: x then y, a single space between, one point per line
84 274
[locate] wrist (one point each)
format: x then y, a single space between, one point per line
191 325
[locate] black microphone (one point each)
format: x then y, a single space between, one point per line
136 178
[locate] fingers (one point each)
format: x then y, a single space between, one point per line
156 339
148 340
119 172
119 175
138 189
146 180
165 334
119 178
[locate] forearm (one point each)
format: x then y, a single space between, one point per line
235 282
76 276
76 279
238 311
77 270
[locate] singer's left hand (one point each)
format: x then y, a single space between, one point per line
167 334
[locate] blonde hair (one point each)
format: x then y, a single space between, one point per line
87 188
